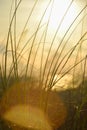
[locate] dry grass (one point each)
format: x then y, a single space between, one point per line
39 62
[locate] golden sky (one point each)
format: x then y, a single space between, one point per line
26 5
58 10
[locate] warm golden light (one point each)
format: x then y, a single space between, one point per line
26 107
27 117
58 16
43 64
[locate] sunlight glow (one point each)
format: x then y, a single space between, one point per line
28 117
57 13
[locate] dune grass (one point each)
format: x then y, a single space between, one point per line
68 56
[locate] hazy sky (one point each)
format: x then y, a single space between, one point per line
58 11
26 5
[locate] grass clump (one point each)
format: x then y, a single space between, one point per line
46 53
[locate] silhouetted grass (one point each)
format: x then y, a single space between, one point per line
67 57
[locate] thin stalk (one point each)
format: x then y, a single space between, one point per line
63 46
12 50
27 22
20 53
1 77
36 55
67 72
71 51
55 37
15 48
29 56
42 79
80 47
6 50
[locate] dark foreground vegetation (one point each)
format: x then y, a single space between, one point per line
75 100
